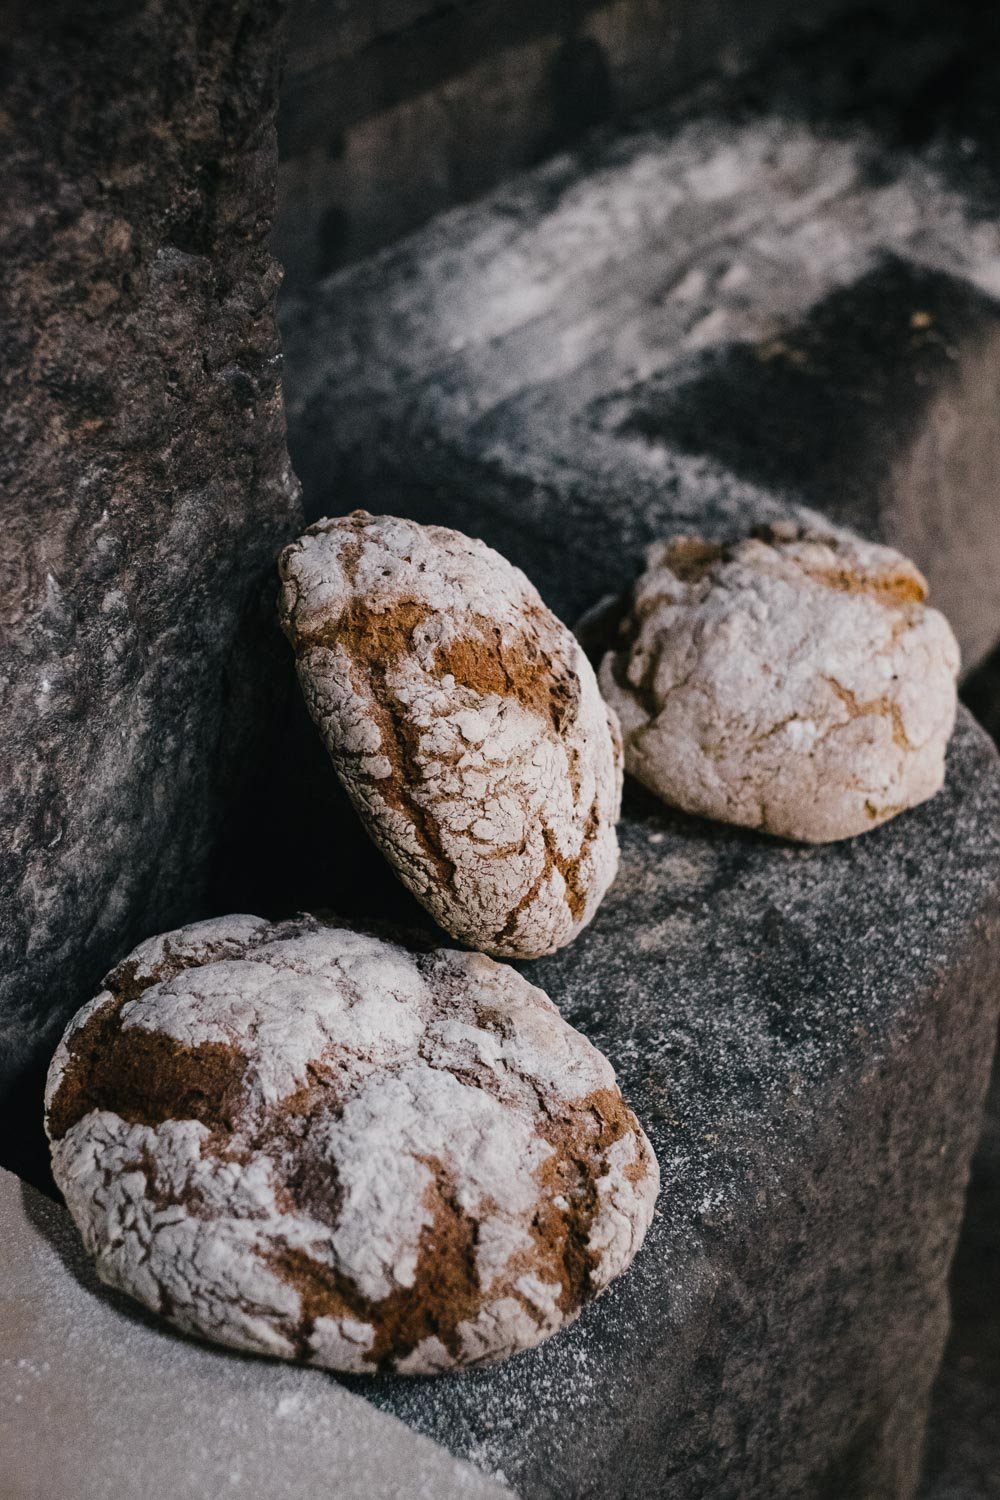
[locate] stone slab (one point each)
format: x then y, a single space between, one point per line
806 1036
490 371
99 1402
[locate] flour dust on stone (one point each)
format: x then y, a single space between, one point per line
465 722
311 1143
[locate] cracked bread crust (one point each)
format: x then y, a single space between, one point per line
794 682
307 1142
465 722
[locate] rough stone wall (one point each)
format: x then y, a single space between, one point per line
145 486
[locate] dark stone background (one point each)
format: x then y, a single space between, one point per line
394 111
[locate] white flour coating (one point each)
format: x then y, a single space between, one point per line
306 1141
794 682
465 722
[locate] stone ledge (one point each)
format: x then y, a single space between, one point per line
806 1034
471 374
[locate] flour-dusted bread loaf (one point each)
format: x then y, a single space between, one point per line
795 682
465 722
308 1142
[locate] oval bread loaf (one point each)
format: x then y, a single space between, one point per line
464 721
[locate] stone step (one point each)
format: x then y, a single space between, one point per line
680 334
805 1033
394 111
806 1036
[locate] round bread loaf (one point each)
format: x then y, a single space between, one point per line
795 682
465 723
305 1141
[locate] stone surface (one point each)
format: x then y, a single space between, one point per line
514 362
98 1402
963 1440
146 484
806 1035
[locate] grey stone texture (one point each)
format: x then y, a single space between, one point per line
145 481
963 1438
100 1402
395 111
674 335
805 1034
